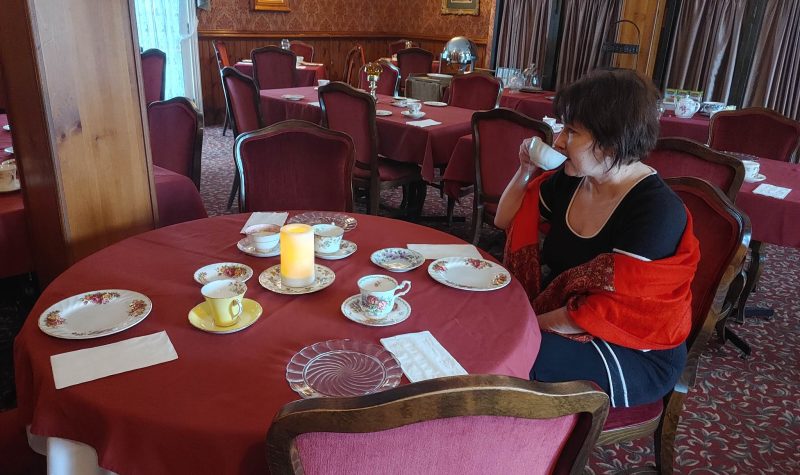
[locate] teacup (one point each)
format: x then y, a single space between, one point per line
327 238
224 297
9 179
751 168
543 155
712 108
323 82
551 121
378 293
263 241
414 107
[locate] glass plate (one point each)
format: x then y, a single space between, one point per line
342 368
95 314
468 273
397 259
344 221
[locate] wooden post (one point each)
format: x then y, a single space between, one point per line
79 123
648 16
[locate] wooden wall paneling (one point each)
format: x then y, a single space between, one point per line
648 16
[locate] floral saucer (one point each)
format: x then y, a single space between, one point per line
247 246
270 279
223 270
397 259
347 248
351 308
201 318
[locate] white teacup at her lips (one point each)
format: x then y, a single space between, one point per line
327 238
544 156
751 168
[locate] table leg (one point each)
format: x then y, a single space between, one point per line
757 260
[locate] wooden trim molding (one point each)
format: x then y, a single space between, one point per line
212 34
271 5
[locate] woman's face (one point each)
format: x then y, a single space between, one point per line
583 158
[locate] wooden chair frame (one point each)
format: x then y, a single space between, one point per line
197 145
223 61
272 49
465 76
794 155
355 53
163 56
474 395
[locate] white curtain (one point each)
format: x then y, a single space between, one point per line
159 26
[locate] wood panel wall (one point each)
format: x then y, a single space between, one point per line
329 49
648 16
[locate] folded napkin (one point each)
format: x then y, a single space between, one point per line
315 104
265 218
80 366
300 67
246 61
773 191
306 63
437 251
423 123
422 357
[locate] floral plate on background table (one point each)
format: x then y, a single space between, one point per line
270 279
344 221
223 270
397 259
468 273
95 314
342 368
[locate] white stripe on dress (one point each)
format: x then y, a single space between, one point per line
608 372
621 374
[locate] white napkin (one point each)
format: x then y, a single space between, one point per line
422 357
265 218
315 104
437 251
246 61
423 123
80 366
300 67
773 191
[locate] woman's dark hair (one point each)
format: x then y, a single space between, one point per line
618 107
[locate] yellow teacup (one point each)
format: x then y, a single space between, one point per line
224 298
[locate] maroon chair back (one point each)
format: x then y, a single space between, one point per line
475 91
300 48
154 70
388 81
396 46
295 165
353 64
353 112
756 131
413 61
274 67
242 101
176 136
676 157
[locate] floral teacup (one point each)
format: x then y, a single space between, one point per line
327 238
378 293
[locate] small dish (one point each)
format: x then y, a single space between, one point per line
247 246
435 103
418 115
223 270
7 128
293 97
344 221
469 273
346 248
201 318
270 279
9 150
397 259
759 177
440 76
382 113
351 308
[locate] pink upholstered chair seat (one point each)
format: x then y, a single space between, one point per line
389 170
626 416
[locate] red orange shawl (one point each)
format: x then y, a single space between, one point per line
621 299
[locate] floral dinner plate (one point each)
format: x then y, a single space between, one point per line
469 273
95 314
223 270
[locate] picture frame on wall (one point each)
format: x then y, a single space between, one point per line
271 5
460 7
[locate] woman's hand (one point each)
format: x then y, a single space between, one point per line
525 156
512 196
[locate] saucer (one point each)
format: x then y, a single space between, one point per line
9 189
440 76
418 115
7 128
201 318
246 246
9 150
293 97
382 113
759 177
223 270
270 279
435 103
351 308
397 259
347 248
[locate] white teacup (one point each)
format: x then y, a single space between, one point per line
327 238
224 297
712 108
378 293
323 82
751 168
543 155
414 107
263 241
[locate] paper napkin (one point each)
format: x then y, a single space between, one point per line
778 192
423 123
315 104
265 218
422 357
80 366
437 251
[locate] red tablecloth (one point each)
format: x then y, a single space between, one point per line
209 410
306 75
695 128
774 221
429 146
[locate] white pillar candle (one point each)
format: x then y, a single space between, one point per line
297 255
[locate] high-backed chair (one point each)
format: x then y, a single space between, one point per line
243 105
353 112
388 81
295 164
300 48
223 61
723 233
154 71
353 64
756 131
274 67
497 135
456 425
396 46
176 136
413 61
476 91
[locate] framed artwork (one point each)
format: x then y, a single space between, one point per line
271 5
460 7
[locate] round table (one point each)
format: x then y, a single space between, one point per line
209 410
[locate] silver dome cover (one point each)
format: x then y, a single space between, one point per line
460 50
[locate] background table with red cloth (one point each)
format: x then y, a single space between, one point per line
15 254
209 410
307 75
774 221
429 146
5 139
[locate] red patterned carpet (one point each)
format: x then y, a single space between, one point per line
743 416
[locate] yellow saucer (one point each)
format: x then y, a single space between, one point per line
200 317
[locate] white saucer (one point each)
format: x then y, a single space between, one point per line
13 188
201 318
351 308
435 104
223 270
9 150
759 177
7 128
246 246
382 112
270 279
439 75
418 115
293 97
397 259
347 248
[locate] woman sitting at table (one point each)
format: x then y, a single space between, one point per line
611 282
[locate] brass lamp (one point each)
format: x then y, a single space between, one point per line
373 71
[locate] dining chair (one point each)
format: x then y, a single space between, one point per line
176 136
353 112
295 164
756 131
243 106
476 91
274 67
413 61
353 63
300 48
154 70
388 81
497 135
396 46
457 425
223 61
723 233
